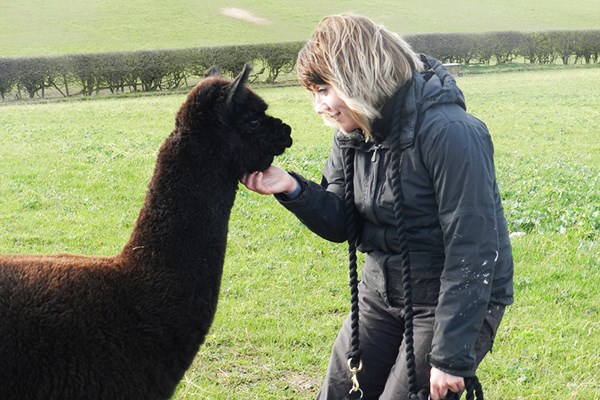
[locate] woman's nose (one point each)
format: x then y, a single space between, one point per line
320 106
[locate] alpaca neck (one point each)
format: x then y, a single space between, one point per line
186 210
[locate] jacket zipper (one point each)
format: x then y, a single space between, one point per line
372 179
375 148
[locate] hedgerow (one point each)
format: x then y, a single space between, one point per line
159 70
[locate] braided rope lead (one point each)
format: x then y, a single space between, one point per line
472 385
354 360
406 275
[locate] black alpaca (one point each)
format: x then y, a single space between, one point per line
127 327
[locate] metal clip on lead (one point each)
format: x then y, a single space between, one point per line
356 390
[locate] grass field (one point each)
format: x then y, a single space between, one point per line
73 176
41 27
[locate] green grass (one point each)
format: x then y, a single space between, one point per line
73 176
41 27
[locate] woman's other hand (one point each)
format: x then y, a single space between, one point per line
441 382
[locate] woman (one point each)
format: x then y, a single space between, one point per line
384 98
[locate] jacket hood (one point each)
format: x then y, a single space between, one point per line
434 86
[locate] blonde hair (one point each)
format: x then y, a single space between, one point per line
364 62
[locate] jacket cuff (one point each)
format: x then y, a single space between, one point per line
452 369
289 197
295 194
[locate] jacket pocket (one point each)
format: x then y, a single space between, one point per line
373 274
487 335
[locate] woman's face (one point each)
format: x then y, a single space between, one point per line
328 103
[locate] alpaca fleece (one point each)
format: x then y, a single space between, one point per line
129 326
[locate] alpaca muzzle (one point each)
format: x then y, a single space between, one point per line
283 139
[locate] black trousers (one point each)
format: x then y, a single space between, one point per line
384 375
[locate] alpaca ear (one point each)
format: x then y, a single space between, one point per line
235 88
212 71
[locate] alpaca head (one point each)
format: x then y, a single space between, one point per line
232 119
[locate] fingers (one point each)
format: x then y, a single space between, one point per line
249 178
437 392
456 386
270 181
253 181
441 382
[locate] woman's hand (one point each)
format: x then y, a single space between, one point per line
270 181
441 382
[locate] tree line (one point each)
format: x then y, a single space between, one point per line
159 70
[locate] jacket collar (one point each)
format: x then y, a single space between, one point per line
386 128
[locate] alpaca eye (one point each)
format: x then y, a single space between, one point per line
253 124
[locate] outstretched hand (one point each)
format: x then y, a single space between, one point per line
273 180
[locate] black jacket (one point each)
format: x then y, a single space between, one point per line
459 248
